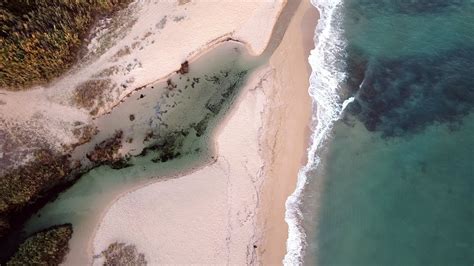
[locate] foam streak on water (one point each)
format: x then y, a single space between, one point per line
327 61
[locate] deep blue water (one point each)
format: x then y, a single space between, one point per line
396 182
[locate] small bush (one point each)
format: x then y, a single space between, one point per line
88 93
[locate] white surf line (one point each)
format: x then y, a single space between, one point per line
327 61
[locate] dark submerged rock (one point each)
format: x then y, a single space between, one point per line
106 152
184 68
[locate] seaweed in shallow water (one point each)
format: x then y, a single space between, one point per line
406 95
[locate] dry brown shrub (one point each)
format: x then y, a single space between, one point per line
88 93
182 2
122 52
123 254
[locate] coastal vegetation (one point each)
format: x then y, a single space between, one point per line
24 187
40 40
48 247
24 190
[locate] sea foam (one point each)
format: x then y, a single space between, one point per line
328 65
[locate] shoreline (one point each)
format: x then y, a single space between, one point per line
290 127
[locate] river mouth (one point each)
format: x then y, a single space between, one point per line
166 131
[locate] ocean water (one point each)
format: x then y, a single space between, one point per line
390 177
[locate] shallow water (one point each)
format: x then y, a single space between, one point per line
182 117
394 183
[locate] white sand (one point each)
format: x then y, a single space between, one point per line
157 48
208 216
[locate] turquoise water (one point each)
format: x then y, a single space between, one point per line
395 185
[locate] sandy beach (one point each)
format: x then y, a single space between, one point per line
232 210
288 129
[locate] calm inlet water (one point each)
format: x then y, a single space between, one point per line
391 177
177 117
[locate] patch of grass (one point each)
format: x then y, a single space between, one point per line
169 147
39 39
48 247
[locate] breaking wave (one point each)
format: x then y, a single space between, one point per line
328 63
